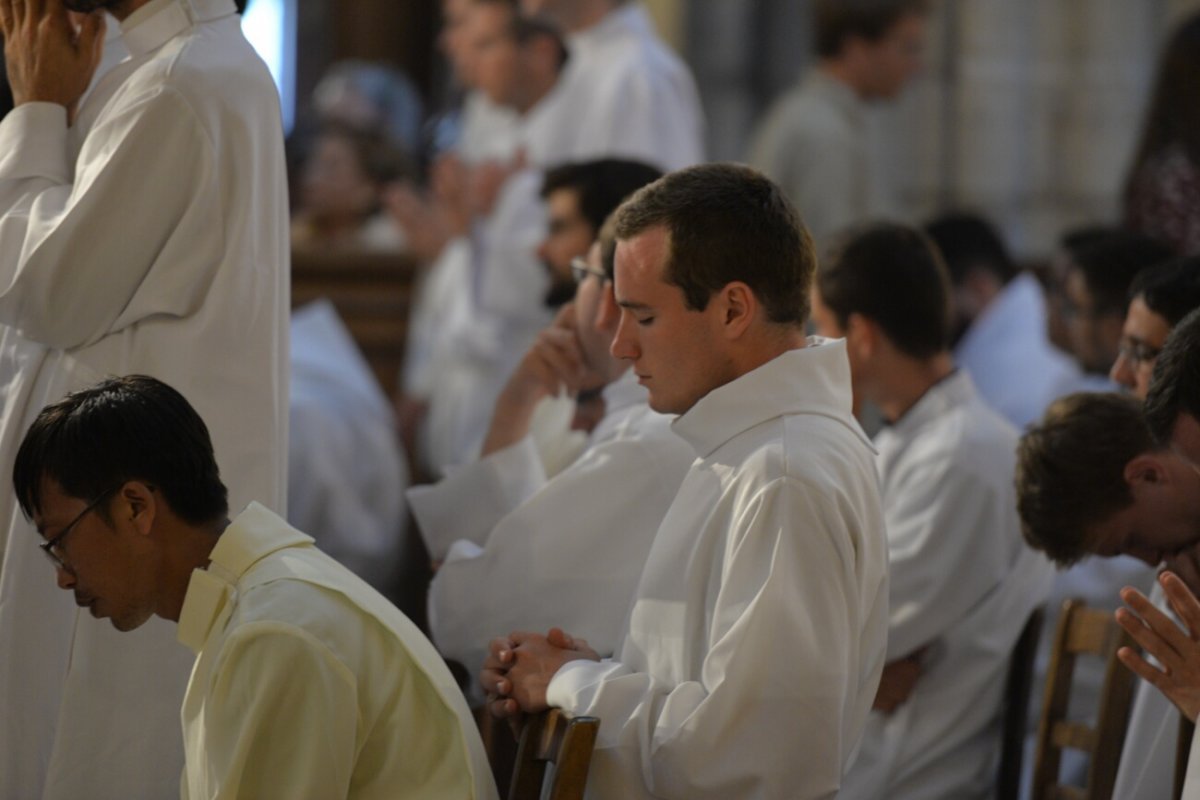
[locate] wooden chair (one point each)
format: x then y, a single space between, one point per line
1083 631
1016 710
554 737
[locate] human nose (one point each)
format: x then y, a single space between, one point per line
1122 372
64 577
624 343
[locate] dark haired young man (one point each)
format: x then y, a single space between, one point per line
814 141
962 583
307 682
1161 296
762 606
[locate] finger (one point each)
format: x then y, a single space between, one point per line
91 37
6 18
1149 640
1183 601
503 707
1185 567
560 638
1145 670
36 9
1157 621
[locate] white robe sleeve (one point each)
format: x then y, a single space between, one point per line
767 717
947 550
470 501
74 250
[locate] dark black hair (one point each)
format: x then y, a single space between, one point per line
1109 263
893 275
838 20
727 223
131 428
1175 385
601 185
1170 289
969 242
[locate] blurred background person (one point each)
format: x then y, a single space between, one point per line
815 140
342 183
1162 191
1161 297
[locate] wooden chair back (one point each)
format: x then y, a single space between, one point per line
558 738
1089 632
1016 708
371 291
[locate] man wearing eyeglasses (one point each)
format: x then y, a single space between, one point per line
522 550
1161 295
307 682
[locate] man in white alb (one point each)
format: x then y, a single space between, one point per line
144 230
756 637
624 93
962 581
519 550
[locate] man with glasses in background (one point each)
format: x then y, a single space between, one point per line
1160 297
521 549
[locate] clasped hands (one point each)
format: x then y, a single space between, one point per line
51 54
519 667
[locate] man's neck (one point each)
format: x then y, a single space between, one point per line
587 14
841 72
125 8
191 550
538 88
906 381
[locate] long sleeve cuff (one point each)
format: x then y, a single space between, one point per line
469 502
33 143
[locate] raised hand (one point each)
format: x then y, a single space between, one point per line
1176 649
49 59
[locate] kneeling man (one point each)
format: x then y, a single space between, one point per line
307 682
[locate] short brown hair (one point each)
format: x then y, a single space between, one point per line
727 223
1071 470
838 20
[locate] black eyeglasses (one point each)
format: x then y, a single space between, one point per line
580 269
1138 352
53 547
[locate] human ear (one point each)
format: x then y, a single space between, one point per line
1145 469
738 307
862 335
139 505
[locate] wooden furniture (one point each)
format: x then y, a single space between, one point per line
554 737
1183 749
1083 632
1016 707
371 291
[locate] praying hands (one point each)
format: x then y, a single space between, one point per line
519 667
1176 649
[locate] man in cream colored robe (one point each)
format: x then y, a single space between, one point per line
148 236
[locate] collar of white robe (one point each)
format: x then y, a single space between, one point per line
160 21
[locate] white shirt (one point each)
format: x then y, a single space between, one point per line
758 630
962 585
524 553
625 94
346 473
489 131
309 684
1008 354
150 237
815 143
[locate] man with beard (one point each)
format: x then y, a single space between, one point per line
478 349
143 228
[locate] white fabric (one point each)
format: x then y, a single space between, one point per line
758 630
489 132
309 684
815 143
149 237
346 474
962 585
530 553
1191 784
441 288
1147 767
625 94
1008 354
487 324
